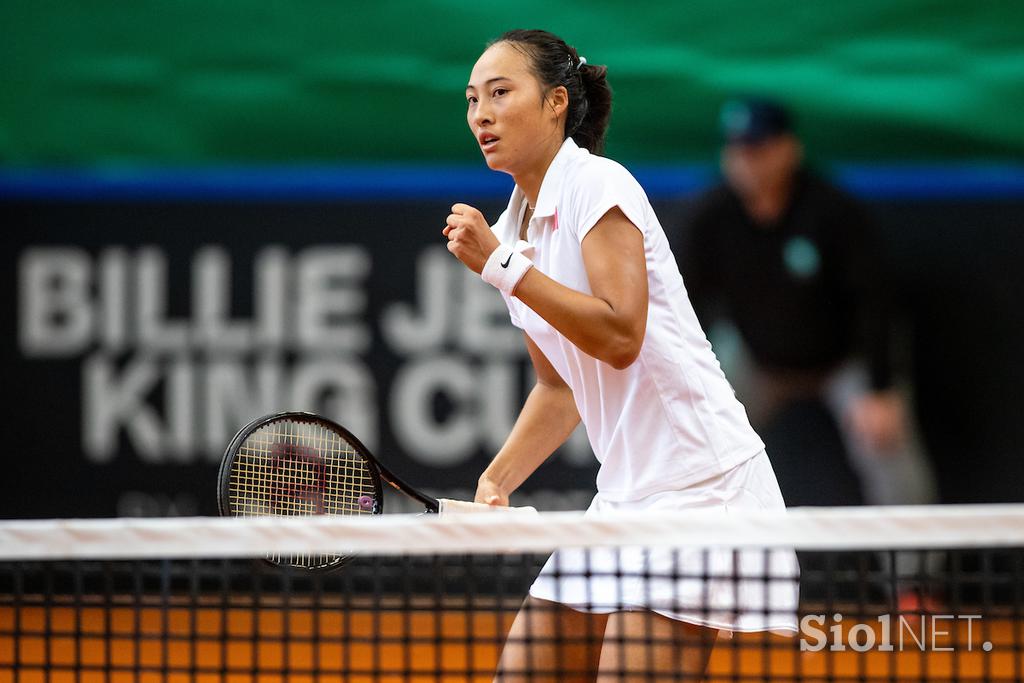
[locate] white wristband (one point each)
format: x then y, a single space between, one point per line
505 268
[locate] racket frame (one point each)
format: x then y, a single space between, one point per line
379 471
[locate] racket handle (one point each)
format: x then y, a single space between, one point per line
447 506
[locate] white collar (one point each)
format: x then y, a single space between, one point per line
551 186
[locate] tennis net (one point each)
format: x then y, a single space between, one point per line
430 598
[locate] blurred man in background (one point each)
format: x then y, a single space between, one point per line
795 265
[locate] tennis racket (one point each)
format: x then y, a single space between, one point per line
301 464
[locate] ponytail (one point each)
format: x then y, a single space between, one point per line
555 63
596 109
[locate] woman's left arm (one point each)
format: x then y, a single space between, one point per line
609 324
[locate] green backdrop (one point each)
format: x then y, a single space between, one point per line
192 82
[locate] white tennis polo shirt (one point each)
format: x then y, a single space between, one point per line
671 418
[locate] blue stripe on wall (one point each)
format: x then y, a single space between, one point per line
450 183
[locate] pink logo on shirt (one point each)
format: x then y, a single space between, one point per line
556 220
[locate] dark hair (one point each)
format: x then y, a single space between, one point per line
555 63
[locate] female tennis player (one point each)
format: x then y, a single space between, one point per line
585 269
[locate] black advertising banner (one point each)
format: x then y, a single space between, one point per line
138 335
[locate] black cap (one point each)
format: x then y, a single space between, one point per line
753 120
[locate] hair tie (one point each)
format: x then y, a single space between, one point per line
583 60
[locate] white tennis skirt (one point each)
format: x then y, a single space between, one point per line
721 588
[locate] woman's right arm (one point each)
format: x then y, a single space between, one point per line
547 419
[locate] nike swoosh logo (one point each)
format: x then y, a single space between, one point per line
507 261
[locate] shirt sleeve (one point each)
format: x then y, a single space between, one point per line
599 187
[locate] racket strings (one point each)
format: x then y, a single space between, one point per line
290 468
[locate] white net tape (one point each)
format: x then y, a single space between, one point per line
489 532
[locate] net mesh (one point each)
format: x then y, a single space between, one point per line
937 595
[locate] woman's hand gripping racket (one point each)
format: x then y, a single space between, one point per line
301 464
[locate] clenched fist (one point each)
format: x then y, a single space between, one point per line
469 236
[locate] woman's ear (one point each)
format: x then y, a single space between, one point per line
558 100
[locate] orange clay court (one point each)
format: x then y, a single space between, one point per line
149 643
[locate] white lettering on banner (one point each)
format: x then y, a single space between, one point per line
55 317
113 295
171 383
235 395
70 303
142 504
203 404
193 379
113 400
419 381
500 399
407 332
271 296
333 386
211 300
456 308
329 279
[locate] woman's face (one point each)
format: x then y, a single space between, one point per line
766 166
513 122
